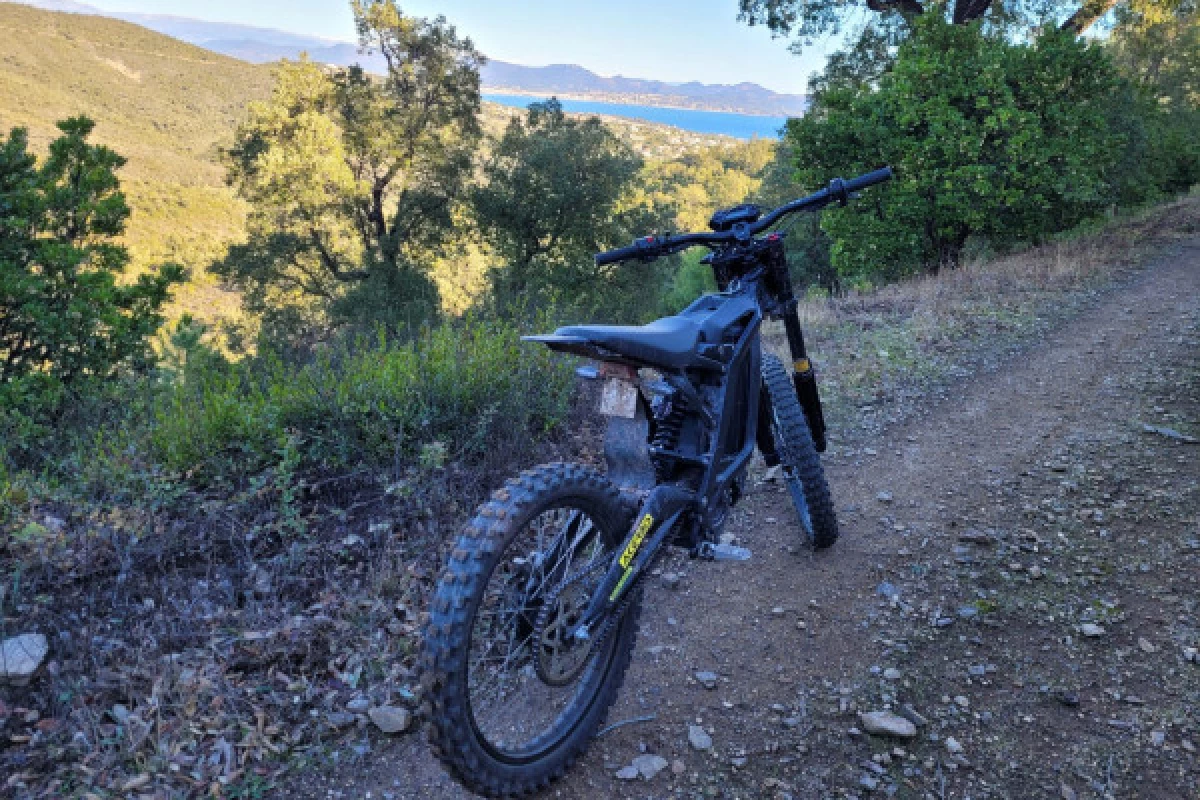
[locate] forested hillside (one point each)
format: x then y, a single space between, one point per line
170 108
166 106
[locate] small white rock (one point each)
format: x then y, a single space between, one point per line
629 773
21 657
648 766
390 719
1091 629
699 738
953 746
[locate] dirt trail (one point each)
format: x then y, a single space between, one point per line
1079 514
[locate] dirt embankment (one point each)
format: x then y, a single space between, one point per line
1020 567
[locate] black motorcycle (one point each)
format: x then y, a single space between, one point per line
533 622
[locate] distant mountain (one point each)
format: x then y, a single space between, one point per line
62 5
261 45
574 80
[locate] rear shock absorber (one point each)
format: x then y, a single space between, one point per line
668 419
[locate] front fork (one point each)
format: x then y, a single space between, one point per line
779 282
804 378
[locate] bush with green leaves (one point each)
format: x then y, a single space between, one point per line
466 392
989 138
65 315
1157 47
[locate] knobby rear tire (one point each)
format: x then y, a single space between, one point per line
453 733
797 450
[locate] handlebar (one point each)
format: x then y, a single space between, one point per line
870 179
652 247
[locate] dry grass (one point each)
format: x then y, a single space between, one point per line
881 347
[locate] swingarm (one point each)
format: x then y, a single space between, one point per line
658 515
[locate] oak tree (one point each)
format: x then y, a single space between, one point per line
353 178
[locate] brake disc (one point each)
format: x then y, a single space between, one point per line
558 656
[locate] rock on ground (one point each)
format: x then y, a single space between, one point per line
629 773
699 738
21 657
885 723
390 719
648 766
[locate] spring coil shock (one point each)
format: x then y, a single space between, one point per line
668 428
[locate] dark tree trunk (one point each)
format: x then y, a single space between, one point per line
1087 15
969 10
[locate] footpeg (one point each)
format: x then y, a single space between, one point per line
722 552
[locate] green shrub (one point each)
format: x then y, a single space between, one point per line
464 392
988 138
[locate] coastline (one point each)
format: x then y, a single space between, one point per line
632 100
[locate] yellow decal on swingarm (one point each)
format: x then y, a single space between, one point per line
612 598
631 550
803 365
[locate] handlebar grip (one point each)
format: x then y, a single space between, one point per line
646 249
615 256
870 179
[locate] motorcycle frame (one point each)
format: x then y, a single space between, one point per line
755 272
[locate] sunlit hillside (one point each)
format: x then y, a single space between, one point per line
166 106
169 107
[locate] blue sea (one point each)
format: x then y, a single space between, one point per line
742 126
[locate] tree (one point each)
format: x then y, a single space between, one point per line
1158 49
698 182
1158 46
809 20
353 179
64 317
988 138
557 190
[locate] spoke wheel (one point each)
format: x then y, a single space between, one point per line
514 707
513 696
800 462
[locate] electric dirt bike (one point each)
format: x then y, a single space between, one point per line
532 625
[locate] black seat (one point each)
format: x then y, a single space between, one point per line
669 342
687 341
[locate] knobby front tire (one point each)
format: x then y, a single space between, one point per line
502 718
798 455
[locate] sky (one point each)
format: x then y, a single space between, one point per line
670 40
